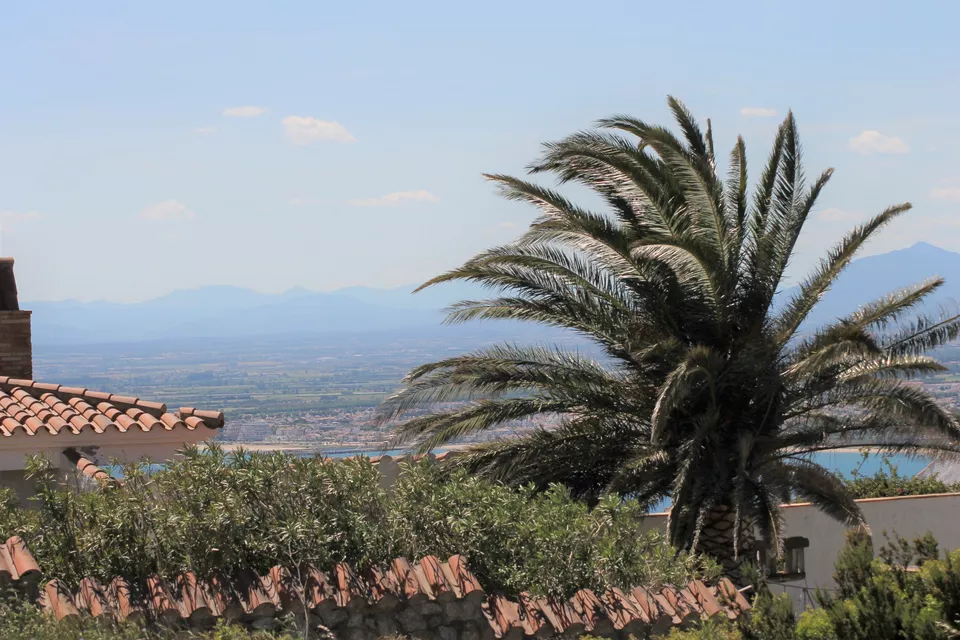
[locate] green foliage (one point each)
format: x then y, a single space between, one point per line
885 597
27 622
854 564
701 386
556 544
815 624
210 511
771 617
708 630
887 482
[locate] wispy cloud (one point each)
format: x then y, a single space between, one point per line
304 130
244 112
870 142
9 220
509 226
167 211
395 199
838 215
946 193
757 112
8 217
206 131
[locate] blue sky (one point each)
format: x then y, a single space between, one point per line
146 147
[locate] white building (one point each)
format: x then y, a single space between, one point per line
814 539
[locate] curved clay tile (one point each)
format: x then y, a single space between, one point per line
503 615
160 602
56 599
620 610
708 602
255 599
170 421
213 419
408 583
532 619
467 583
436 582
561 616
122 603
190 600
92 598
350 590
384 590
318 592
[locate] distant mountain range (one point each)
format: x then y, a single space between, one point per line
231 312
872 277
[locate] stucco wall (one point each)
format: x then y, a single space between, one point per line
14 479
909 517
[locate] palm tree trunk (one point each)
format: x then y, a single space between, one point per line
717 541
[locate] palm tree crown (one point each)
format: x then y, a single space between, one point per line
706 390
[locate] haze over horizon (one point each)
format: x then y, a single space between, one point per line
148 149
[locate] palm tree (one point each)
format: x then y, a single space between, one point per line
706 388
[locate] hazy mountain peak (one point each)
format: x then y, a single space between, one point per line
234 311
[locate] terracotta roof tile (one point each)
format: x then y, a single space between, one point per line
30 406
57 599
92 597
189 599
17 563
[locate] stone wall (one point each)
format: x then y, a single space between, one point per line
425 619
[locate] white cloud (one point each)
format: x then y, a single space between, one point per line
244 112
946 193
870 142
205 130
167 211
757 112
298 202
838 215
8 218
509 226
395 199
304 130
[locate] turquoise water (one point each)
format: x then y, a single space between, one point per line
845 462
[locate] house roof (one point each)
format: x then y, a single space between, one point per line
336 596
31 407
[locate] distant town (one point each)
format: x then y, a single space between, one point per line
305 393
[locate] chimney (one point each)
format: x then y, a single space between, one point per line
16 348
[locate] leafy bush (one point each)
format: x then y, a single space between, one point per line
709 630
771 617
19 622
881 598
210 511
887 482
814 624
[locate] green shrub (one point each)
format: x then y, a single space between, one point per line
210 511
880 598
771 617
708 630
19 622
814 624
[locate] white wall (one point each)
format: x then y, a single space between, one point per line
908 516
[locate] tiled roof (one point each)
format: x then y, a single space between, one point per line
407 594
86 466
31 407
